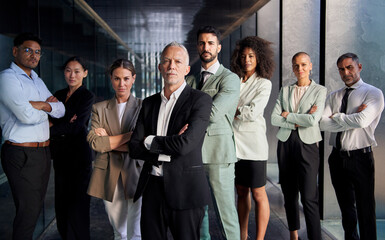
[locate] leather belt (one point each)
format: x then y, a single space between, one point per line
361 150
29 144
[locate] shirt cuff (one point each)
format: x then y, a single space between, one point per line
164 158
57 109
338 119
148 141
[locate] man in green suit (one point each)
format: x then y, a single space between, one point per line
218 149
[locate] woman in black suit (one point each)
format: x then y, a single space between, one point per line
71 154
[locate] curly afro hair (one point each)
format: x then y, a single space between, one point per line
263 52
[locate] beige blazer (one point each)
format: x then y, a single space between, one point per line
109 165
250 125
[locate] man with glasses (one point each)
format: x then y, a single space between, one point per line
25 103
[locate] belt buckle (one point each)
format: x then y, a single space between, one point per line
43 144
367 149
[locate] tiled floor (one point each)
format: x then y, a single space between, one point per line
278 216
332 227
277 228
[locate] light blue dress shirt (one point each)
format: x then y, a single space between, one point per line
19 121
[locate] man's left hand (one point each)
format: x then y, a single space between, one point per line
52 99
184 128
361 107
39 105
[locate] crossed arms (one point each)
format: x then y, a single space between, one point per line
367 111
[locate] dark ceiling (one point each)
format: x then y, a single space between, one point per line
146 26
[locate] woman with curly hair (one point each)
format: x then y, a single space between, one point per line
252 61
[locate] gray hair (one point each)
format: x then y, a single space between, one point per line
176 44
353 56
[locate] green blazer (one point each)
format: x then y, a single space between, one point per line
223 87
309 130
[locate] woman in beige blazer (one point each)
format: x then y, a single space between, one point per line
252 61
115 174
297 112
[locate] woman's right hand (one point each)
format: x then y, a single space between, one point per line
101 132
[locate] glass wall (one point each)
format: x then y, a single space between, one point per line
66 31
300 33
268 27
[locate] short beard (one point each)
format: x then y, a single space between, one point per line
207 60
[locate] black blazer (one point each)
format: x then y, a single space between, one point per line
68 140
185 182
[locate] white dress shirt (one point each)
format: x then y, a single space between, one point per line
357 127
165 110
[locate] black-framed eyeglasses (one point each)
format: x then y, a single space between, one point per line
29 51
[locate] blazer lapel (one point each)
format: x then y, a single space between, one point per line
289 97
212 78
112 117
128 115
155 113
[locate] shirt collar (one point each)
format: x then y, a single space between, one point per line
356 85
20 71
213 69
175 95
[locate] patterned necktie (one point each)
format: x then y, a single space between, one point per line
202 81
344 106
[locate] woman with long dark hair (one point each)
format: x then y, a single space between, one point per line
71 153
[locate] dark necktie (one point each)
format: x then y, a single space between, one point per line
202 81
344 106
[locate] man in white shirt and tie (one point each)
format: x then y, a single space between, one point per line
351 115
